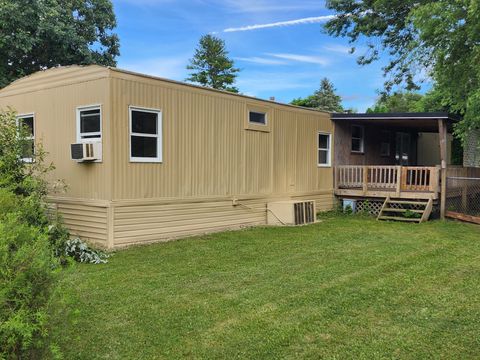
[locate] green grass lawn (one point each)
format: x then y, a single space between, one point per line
347 287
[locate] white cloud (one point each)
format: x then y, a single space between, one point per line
258 83
261 60
309 20
168 67
258 6
337 48
311 59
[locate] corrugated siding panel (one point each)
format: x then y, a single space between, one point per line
206 149
155 222
89 222
55 128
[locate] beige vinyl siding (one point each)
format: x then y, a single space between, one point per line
139 223
53 98
87 220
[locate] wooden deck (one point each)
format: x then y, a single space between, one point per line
402 182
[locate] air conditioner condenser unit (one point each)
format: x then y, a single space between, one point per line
291 212
83 152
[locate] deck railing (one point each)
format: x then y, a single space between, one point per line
380 179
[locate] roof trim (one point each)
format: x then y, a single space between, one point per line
396 116
181 83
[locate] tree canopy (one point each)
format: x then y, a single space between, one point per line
42 34
211 65
437 38
324 98
398 102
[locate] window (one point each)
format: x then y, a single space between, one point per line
89 123
324 149
358 135
145 135
27 122
385 144
257 118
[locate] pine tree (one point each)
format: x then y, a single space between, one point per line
324 98
211 65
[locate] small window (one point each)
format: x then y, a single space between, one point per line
358 135
324 149
27 122
257 118
89 123
385 144
145 135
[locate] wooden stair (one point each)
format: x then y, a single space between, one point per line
396 210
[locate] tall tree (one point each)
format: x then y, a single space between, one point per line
440 38
40 34
211 65
398 102
324 98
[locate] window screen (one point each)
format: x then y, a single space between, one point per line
357 138
323 149
28 147
257 118
89 123
145 135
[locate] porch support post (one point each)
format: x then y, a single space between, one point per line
442 135
365 180
398 188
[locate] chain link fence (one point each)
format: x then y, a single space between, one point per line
463 194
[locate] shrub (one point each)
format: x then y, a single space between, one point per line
26 277
27 261
31 244
81 252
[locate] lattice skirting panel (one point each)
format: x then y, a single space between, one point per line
371 207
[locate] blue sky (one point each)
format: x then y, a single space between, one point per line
284 60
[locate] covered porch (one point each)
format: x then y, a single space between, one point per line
394 155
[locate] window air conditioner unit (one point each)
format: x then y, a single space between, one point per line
292 212
83 152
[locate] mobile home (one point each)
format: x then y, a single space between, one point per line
149 159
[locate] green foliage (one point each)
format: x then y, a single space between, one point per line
398 102
409 214
81 252
439 38
32 245
211 65
324 99
42 34
26 276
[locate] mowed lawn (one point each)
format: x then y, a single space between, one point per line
347 287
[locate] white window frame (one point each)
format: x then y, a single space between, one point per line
159 135
79 133
362 142
24 116
256 123
329 149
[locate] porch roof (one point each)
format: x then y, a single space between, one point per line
424 121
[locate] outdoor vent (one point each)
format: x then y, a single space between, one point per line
86 151
291 212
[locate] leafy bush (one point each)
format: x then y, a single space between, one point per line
81 252
32 245
26 278
411 214
27 256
